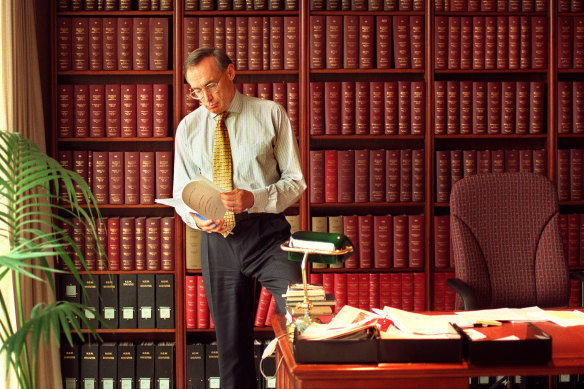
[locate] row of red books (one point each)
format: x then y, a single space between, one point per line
349 176
492 5
570 174
367 108
122 177
131 243
197 313
452 165
379 241
570 42
490 42
114 5
252 42
112 110
370 5
115 43
266 307
374 290
570 107
572 227
488 107
240 5
366 42
284 93
570 5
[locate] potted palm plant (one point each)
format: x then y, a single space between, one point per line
38 199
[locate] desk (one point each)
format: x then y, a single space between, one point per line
567 358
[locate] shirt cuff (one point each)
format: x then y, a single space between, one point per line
260 203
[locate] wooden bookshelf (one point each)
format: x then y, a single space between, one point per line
428 141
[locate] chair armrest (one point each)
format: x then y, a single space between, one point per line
465 292
577 275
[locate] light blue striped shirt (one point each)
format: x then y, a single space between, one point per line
263 148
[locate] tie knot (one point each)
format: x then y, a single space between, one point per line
221 117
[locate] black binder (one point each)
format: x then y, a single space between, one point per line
91 298
126 365
70 361
89 365
145 365
164 301
195 366
128 292
108 365
108 290
164 365
146 301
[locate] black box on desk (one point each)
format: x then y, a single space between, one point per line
532 346
338 350
421 350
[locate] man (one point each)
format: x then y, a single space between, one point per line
266 179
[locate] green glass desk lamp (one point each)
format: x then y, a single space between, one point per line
321 247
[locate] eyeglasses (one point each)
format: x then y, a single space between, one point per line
199 93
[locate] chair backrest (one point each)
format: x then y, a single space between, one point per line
506 240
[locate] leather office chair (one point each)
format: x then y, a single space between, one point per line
507 244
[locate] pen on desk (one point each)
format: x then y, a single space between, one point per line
489 323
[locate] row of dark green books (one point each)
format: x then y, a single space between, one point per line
203 369
124 300
118 365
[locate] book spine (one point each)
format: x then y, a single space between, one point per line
147 177
377 175
255 43
290 43
96 110
65 111
351 44
81 110
346 176
331 176
400 241
383 42
190 303
365 230
393 175
362 167
334 42
167 242
140 43
277 42
158 43
144 110
332 107
262 308
362 105
153 245
382 241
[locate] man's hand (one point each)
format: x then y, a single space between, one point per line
209 225
238 200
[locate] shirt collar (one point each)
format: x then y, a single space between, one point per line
235 106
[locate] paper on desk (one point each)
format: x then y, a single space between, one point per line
417 323
516 315
562 318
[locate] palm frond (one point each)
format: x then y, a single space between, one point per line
42 202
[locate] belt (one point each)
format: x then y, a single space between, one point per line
239 217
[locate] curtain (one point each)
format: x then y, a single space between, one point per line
22 111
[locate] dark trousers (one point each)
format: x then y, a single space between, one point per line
230 266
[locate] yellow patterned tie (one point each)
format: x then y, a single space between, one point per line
223 166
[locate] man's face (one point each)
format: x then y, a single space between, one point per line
215 89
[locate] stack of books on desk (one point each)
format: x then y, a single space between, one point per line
322 302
